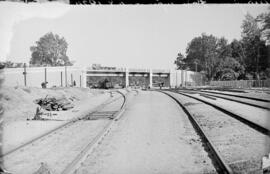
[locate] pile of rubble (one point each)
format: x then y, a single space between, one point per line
53 104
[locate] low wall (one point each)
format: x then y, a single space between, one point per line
36 75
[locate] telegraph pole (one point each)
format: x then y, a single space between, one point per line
45 75
24 73
80 81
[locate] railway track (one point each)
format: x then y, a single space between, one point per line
104 111
239 96
234 146
263 104
260 125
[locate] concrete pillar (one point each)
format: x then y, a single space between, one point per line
182 77
84 78
150 78
61 79
126 76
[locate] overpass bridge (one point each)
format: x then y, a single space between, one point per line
129 76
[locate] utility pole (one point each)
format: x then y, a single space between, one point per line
80 81
61 79
45 75
24 73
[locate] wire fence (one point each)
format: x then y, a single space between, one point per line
242 83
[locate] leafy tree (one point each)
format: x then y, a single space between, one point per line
251 40
50 50
223 48
202 50
229 69
264 19
180 62
237 51
10 64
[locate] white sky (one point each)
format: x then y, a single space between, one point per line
136 36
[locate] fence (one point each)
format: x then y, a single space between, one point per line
34 76
242 83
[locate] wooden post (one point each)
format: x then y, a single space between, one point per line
80 81
24 73
61 79
45 75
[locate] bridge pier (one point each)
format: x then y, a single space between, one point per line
151 78
126 77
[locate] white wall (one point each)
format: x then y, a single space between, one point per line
36 75
183 77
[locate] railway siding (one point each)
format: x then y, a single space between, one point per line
61 146
259 117
241 146
254 103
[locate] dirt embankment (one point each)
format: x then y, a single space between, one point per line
19 102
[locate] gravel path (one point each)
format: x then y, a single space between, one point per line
153 136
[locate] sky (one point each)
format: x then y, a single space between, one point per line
134 36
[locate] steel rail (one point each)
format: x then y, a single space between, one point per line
250 98
253 125
76 163
230 99
222 166
72 121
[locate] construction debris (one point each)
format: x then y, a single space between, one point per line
266 164
53 104
38 114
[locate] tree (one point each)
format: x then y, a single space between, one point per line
180 62
229 69
237 51
202 50
252 44
264 19
223 49
50 50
